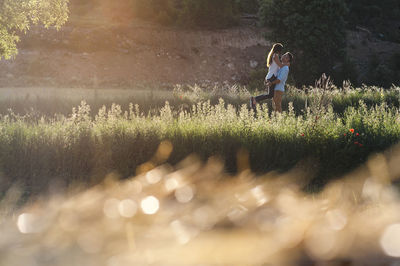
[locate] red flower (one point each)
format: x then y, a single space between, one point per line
351 130
180 97
357 134
302 134
356 143
360 145
345 134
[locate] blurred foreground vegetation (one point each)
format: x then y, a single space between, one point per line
196 214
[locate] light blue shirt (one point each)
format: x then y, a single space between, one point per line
282 76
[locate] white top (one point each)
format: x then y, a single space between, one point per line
273 68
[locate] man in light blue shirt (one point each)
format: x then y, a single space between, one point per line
281 81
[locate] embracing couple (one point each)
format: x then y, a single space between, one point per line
278 70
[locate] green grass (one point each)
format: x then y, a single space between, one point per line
85 146
49 101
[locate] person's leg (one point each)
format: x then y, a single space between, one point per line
278 101
261 97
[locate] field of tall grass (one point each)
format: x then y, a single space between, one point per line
328 131
194 176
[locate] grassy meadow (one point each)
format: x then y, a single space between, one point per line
193 176
77 135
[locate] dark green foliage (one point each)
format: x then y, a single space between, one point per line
345 71
256 79
209 13
380 17
384 73
313 30
188 13
19 16
162 11
249 6
396 61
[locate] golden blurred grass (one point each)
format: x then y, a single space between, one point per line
197 214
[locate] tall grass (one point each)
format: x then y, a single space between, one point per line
84 146
47 102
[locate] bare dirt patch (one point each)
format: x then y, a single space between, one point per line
140 53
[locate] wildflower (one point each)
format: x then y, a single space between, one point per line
345 134
180 96
302 134
360 145
356 142
357 134
351 130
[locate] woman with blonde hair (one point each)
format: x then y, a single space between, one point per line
274 64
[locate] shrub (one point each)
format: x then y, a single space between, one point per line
383 73
346 71
161 11
256 79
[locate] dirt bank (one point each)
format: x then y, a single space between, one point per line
88 54
140 53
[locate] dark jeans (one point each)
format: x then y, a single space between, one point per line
269 94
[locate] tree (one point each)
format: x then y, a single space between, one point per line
313 30
17 16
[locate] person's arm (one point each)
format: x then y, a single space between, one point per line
277 81
283 72
278 61
269 83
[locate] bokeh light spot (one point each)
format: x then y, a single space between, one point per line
127 208
184 194
150 205
110 208
390 240
171 184
26 223
153 176
337 219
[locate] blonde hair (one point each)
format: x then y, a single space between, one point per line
276 48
